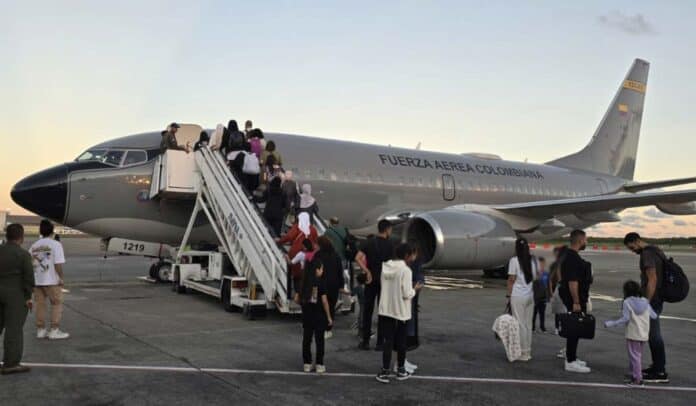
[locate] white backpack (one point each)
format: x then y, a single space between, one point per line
251 164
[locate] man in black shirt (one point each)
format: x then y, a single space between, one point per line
372 254
574 290
651 264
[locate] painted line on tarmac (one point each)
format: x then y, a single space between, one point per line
358 375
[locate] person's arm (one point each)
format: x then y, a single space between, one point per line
27 280
574 287
361 259
327 310
298 258
625 317
512 275
407 290
290 236
651 274
653 315
59 260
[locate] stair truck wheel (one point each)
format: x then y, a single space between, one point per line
162 272
225 297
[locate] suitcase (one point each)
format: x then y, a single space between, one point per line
579 325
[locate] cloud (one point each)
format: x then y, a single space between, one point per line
654 213
680 223
633 25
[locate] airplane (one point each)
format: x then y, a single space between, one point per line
464 211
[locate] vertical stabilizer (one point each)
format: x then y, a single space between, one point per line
614 145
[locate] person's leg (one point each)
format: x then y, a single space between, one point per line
571 349
389 330
542 315
55 295
518 307
370 297
40 307
400 343
536 310
307 345
657 345
635 350
380 334
528 315
319 341
14 315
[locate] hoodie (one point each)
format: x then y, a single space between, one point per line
397 290
636 316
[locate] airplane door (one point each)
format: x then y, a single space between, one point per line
449 191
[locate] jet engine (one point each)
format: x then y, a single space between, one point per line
458 239
678 208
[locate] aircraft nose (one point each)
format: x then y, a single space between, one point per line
44 193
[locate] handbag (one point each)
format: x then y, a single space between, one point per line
578 325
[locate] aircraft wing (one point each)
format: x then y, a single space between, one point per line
641 186
550 208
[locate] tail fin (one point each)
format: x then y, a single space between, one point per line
614 146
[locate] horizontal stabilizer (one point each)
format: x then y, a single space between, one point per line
634 187
550 208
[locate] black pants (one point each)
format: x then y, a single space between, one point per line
657 345
540 309
412 340
394 339
318 334
572 342
276 225
371 296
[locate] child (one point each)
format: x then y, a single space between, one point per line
636 317
316 316
540 302
359 291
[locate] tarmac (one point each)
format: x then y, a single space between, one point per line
135 343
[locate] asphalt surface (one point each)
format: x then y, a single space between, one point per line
135 343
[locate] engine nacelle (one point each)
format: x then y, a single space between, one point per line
678 208
457 239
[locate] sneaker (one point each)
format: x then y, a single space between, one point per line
575 367
410 367
307 368
18 369
383 376
328 334
543 330
635 384
581 362
656 377
321 369
402 375
41 333
364 345
561 353
56 334
525 358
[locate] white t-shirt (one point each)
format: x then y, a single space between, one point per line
521 288
45 254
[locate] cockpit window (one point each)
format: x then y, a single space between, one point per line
93 155
113 157
135 157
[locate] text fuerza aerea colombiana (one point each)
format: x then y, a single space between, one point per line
452 166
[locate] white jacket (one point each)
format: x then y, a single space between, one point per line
397 290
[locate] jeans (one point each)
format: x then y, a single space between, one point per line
394 339
318 335
657 345
371 296
539 309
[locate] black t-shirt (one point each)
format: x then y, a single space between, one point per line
377 250
575 269
651 257
313 314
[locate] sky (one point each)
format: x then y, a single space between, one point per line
525 80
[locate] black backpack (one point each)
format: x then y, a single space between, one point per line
675 284
236 141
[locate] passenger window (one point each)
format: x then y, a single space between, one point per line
113 158
134 157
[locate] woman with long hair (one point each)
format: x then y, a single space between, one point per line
522 270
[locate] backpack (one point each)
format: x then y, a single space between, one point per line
236 141
251 164
675 284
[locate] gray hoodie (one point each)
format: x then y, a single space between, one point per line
636 315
